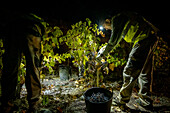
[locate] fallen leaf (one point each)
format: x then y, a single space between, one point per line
59 109
74 97
157 101
76 82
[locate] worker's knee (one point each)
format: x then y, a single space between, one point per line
131 72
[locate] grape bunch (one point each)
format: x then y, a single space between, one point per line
97 97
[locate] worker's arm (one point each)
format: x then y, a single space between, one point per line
118 24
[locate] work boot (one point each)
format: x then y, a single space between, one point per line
38 110
7 107
122 106
33 109
34 106
147 107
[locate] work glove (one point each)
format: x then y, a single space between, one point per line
101 63
100 55
104 51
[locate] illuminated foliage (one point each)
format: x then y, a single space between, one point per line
117 56
49 43
161 54
1 52
82 41
83 44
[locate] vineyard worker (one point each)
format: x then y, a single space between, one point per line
23 35
136 30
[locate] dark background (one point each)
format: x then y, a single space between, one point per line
69 12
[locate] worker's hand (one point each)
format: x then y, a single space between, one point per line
99 58
100 53
100 63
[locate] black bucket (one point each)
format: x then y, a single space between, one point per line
98 107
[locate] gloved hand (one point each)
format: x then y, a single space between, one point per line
104 52
102 63
99 57
100 54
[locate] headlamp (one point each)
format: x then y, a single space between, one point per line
101 27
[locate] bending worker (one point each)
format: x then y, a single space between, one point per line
136 30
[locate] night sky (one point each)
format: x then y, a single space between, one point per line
70 12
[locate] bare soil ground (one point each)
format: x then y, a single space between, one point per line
67 97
